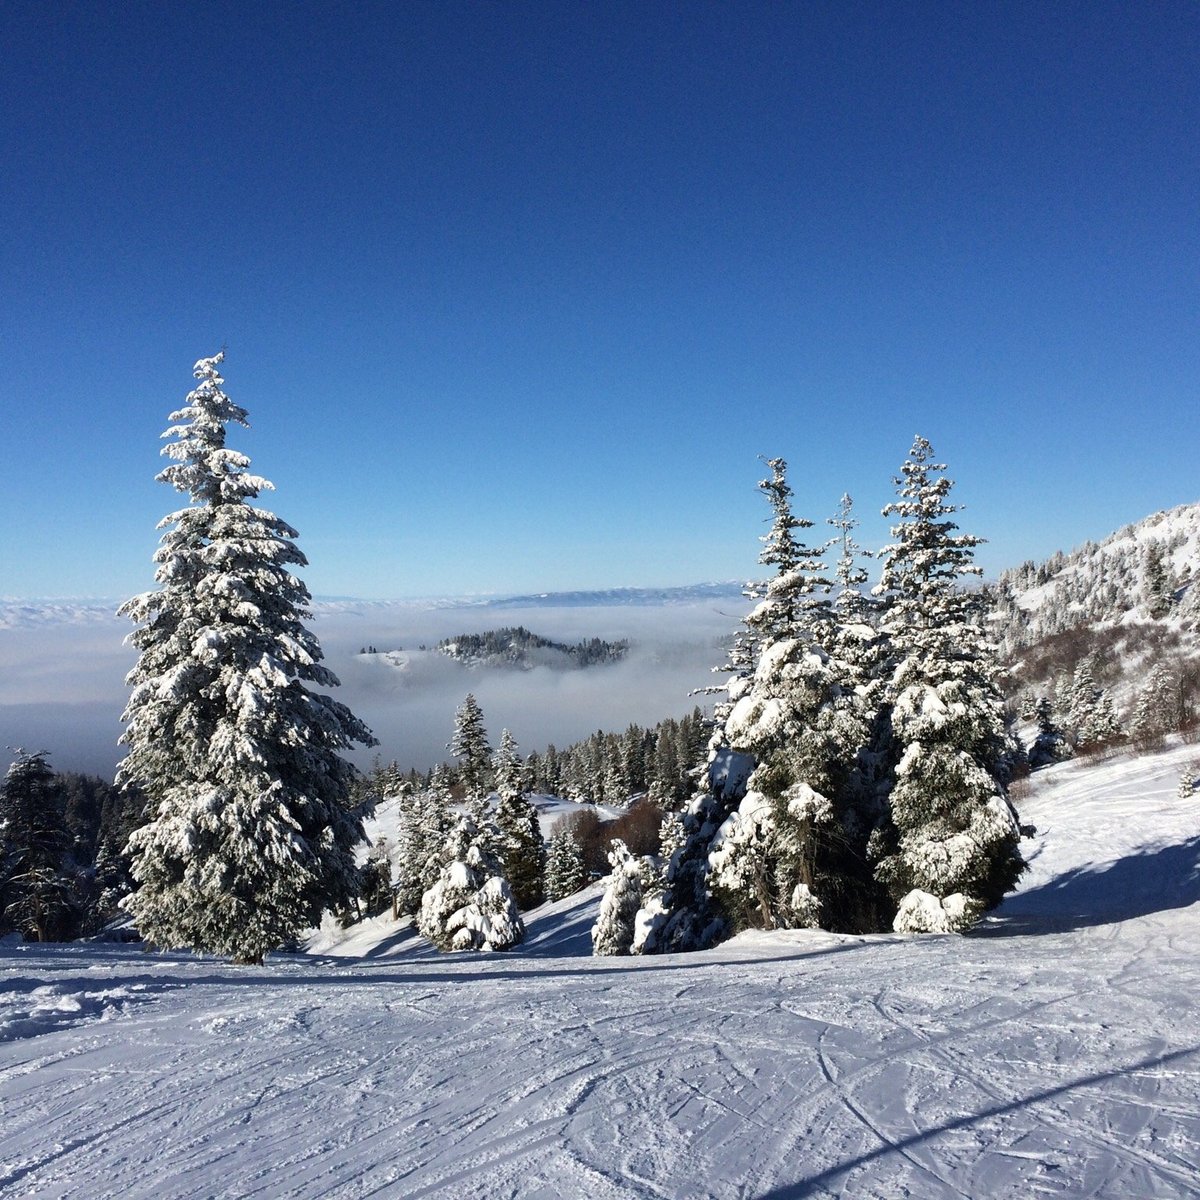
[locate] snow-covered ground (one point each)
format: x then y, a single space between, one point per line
1056 1052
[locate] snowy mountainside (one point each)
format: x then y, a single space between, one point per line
1105 582
1056 1052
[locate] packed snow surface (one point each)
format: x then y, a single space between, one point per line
1055 1052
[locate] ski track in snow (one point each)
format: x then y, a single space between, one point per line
1055 1052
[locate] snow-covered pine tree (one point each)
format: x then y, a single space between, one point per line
795 596
376 890
565 870
35 887
251 833
471 906
470 744
1050 745
1157 588
1158 708
522 848
613 932
425 824
951 849
794 852
1091 714
754 850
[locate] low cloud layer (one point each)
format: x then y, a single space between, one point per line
62 677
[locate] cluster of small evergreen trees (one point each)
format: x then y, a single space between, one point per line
62 862
517 646
858 780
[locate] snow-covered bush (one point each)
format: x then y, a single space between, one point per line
471 906
613 932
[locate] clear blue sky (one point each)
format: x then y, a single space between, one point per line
516 294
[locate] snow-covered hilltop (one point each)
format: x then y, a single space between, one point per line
1143 572
515 646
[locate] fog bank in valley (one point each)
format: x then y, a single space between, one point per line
62 674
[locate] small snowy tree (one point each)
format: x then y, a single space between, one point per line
522 849
1158 708
251 832
950 851
565 870
471 906
613 932
1157 589
470 744
425 824
1091 713
1050 745
35 887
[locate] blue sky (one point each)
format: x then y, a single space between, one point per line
516 294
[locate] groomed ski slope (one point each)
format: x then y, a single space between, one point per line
1054 1053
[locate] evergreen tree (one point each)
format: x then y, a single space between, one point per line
522 848
794 851
376 880
950 851
251 834
35 885
471 906
1050 745
1156 581
1091 712
613 932
565 870
425 824
470 745
795 596
1158 708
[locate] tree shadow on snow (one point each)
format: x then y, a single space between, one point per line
1135 886
425 967
829 1182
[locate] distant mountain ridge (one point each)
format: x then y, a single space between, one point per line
623 596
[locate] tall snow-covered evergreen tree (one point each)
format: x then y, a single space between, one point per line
794 852
251 832
469 743
521 846
758 848
35 888
951 849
